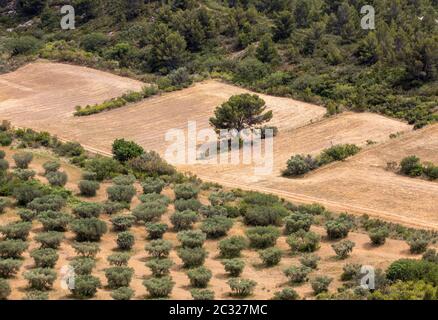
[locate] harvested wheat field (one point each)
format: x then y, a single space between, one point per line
43 95
269 280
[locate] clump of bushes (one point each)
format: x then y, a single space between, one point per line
378 235
202 294
159 267
87 210
9 267
232 246
234 267
121 193
338 228
51 166
297 274
88 188
88 229
24 174
186 191
45 257
159 248
310 260
183 220
297 221
119 276
303 241
50 239
86 249
350 271
299 165
27 215
262 237
156 230
149 212
126 150
12 249
54 221
241 287
119 259
46 203
320 284
83 265
57 179
270 257
187 204
418 243
22 159
411 166
111 207
16 230
286 294
159 287
264 215
191 238
40 278
123 222
125 240
5 289
211 211
192 257
343 248
154 197
85 286
152 185
216 226
199 277
122 293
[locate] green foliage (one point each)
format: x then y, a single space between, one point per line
150 164
45 258
3 204
320 284
159 267
24 174
199 277
192 257
125 150
16 230
83 265
234 267
159 287
121 193
85 286
104 168
338 153
86 249
156 230
5 140
125 240
378 235
202 294
286 294
271 256
122 222
191 238
186 191
51 166
4 165
50 202
232 246
152 185
119 259
264 215
149 211
303 241
216 226
410 270
9 267
122 293
351 271
54 221
25 45
241 287
411 166
297 274
111 207
187 204
310 260
155 197
12 248
5 289
300 164
88 188
36 295
51 239
343 248
240 112
418 243
183 220
159 248
297 221
87 210
22 159
118 276
337 228
88 229
410 290
262 237
40 278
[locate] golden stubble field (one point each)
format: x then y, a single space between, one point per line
43 96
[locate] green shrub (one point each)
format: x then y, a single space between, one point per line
351 271
125 240
413 270
9 267
216 226
122 222
88 229
86 249
57 179
36 295
149 212
155 198
159 267
45 257
27 215
418 243
264 215
159 248
119 259
54 221
199 277
121 193
430 255
187 204
25 45
186 191
103 167
85 286
89 176
338 153
191 238
159 287
234 267
411 166
124 180
50 239
83 265
5 289
40 278
430 170
260 199
183 220
88 188
16 230
262 237
125 150
87 210
12 248
3 204
5 139
69 149
27 192
343 248
378 235
270 257
297 274
156 230
232 246
122 293
202 294
151 164
24 174
299 164
111 207
310 260
4 165
211 211
192 257
152 185
337 228
220 198
2 154
22 159
241 287
286 294
50 202
320 284
297 221
119 276
51 166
